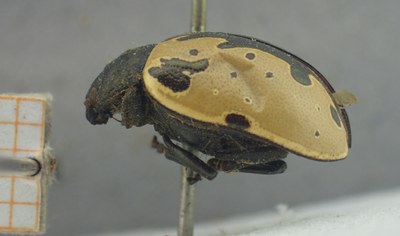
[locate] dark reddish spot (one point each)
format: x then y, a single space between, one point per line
193 52
250 56
237 121
233 75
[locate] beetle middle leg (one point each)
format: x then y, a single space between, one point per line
185 158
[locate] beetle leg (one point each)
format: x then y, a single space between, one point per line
269 168
187 159
133 108
157 145
253 157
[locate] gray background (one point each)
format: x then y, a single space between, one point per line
111 180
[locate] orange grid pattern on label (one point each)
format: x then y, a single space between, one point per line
22 131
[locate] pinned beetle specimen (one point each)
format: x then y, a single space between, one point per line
239 100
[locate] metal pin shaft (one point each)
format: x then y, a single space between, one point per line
13 166
186 208
199 15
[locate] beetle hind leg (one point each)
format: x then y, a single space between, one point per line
185 158
269 168
267 160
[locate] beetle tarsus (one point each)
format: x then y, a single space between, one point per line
195 179
157 145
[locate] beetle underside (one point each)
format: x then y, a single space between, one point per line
209 170
231 150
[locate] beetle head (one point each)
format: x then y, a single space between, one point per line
118 89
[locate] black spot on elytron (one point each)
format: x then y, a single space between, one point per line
171 75
299 68
269 74
193 52
300 73
335 116
233 75
235 41
247 100
237 121
250 56
317 133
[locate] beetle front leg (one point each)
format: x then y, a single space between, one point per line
134 108
185 158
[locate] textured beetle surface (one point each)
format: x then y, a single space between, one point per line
247 84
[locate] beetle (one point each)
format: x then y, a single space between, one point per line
239 100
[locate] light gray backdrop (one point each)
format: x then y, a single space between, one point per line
109 177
